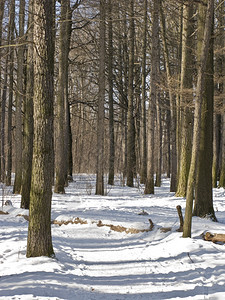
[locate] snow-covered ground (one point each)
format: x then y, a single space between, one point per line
95 262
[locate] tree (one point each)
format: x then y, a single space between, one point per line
186 94
173 119
143 93
101 101
39 241
2 5
61 153
221 62
131 157
149 186
11 85
197 117
203 189
111 108
28 117
19 100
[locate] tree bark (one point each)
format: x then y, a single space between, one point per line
111 108
10 99
28 122
159 143
149 185
39 241
19 101
222 89
2 6
173 182
185 86
143 93
131 157
61 153
101 101
197 118
203 189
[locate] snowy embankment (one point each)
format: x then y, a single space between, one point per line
96 262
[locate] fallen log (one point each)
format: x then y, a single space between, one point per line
3 212
214 237
24 216
120 228
77 220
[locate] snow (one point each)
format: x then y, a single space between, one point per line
95 262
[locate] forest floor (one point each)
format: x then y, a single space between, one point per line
93 261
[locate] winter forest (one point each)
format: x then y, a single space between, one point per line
115 100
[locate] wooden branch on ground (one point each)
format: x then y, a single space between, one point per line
180 229
179 211
120 228
214 237
3 212
117 228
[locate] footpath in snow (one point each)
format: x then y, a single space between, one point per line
97 262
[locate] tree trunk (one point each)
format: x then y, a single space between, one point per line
159 143
203 189
61 155
149 185
2 6
131 157
111 108
39 241
101 101
70 145
3 107
143 93
19 100
28 122
185 86
222 89
197 118
10 99
173 182
216 148
222 173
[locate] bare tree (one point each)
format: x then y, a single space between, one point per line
131 157
19 100
149 186
197 118
111 108
101 101
39 241
28 122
